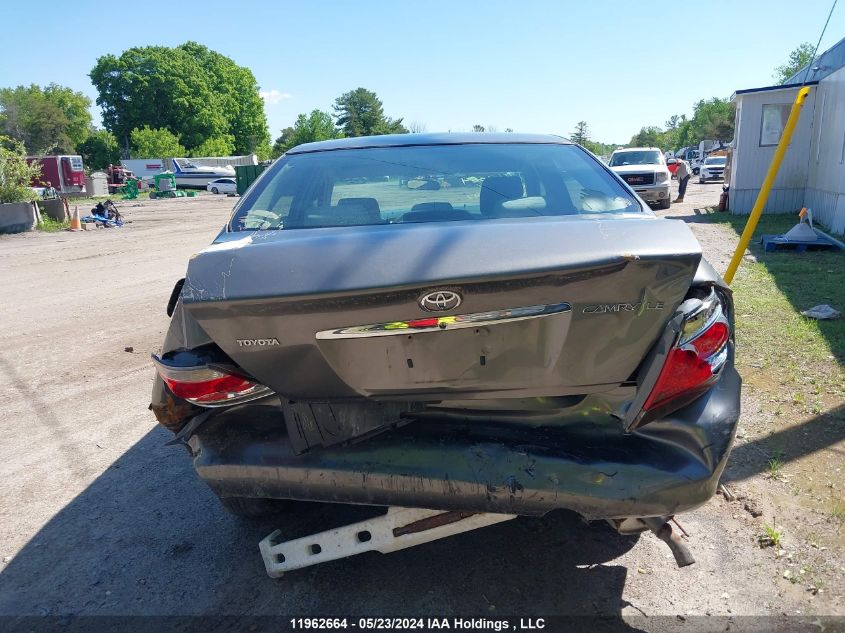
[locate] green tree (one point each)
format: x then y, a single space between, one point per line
682 136
191 90
798 58
360 112
677 127
600 149
283 143
75 107
99 150
264 151
649 136
317 126
217 146
581 134
238 93
15 173
155 143
712 119
308 128
51 119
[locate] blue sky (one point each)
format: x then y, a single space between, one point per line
529 65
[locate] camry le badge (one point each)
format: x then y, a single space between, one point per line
440 301
638 307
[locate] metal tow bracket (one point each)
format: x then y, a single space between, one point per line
398 529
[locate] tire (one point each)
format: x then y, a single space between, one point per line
665 203
214 190
152 195
701 181
255 508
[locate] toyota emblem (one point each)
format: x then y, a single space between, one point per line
440 301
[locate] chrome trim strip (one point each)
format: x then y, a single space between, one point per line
445 323
259 392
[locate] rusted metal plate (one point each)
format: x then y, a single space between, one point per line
432 522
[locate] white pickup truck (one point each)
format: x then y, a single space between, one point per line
645 171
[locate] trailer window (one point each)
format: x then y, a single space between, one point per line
772 123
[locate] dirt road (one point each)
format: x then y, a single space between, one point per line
98 517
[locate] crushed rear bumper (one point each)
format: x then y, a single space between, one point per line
594 468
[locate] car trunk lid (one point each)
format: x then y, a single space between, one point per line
601 291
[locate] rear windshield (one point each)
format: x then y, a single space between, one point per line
429 183
639 157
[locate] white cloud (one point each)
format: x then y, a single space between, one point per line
272 97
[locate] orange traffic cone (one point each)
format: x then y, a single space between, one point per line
75 222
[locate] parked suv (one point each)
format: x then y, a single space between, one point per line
713 168
645 171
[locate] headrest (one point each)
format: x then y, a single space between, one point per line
368 206
497 189
435 212
432 206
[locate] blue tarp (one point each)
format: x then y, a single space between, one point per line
102 220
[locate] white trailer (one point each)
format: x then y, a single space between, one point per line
145 168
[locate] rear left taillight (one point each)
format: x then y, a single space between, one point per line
209 385
693 362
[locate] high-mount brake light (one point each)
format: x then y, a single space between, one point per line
693 364
209 386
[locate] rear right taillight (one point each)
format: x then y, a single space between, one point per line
209 385
693 363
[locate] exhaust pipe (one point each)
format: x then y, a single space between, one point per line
663 530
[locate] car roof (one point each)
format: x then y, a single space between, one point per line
409 140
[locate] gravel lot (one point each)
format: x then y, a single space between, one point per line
98 517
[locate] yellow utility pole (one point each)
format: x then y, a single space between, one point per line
763 196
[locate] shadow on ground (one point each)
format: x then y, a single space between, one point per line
147 537
820 433
702 216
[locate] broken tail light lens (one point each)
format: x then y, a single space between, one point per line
693 364
209 386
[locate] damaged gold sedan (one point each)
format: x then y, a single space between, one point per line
469 325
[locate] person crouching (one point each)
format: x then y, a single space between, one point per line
684 172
